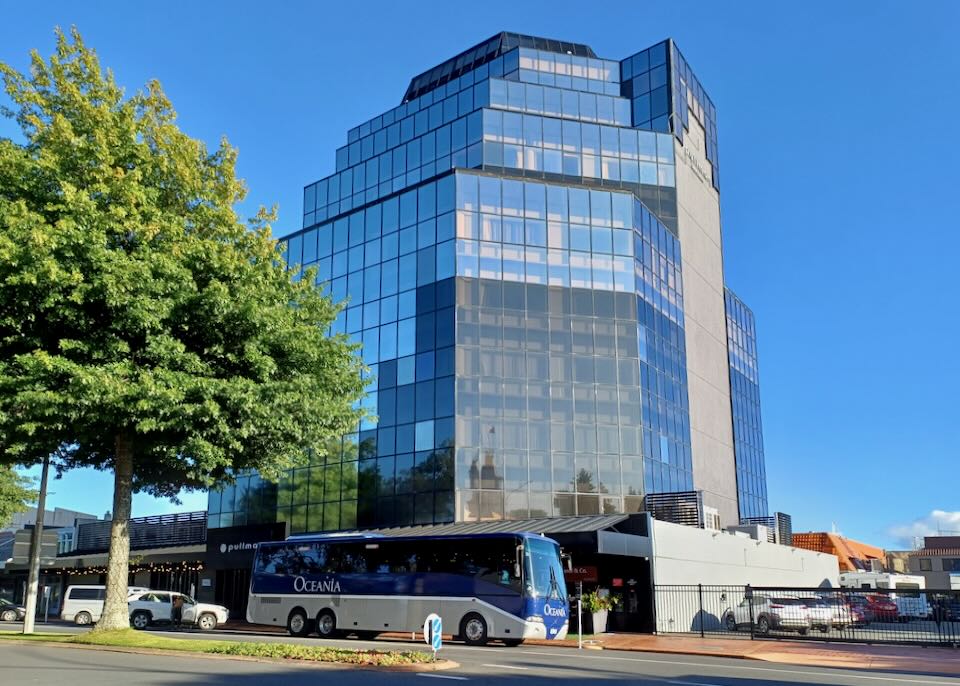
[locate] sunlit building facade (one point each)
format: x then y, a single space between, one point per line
528 251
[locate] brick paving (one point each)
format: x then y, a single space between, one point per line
915 659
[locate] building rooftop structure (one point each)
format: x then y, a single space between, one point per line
854 556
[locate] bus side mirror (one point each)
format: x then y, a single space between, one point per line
567 561
516 562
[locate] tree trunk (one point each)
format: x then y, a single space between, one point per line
115 612
36 547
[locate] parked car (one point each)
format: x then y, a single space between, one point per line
769 613
824 616
83 605
156 607
883 608
10 612
944 607
847 613
911 606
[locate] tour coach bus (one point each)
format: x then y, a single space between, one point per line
502 586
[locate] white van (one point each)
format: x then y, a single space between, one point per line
83 605
907 591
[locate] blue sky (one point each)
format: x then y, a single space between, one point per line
840 192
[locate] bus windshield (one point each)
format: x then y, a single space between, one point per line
544 575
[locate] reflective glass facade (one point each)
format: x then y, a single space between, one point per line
745 400
505 246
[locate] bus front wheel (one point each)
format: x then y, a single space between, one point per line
473 630
326 624
297 623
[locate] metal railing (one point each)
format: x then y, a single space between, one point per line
907 616
160 531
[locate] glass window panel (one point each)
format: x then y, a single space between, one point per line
590 137
535 201
536 265
600 211
490 261
535 232
489 194
591 166
648 173
532 130
512 128
647 144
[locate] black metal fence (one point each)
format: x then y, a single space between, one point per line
160 531
924 617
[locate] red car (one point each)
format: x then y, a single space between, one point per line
882 608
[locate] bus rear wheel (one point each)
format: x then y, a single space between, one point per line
297 623
473 630
326 624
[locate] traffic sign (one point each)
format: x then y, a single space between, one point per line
433 631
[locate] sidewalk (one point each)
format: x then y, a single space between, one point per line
913 659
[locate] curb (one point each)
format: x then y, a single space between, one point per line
437 666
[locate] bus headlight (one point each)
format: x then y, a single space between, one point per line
536 619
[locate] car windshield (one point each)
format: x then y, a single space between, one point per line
4 601
188 600
813 602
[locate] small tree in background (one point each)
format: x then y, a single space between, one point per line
144 328
16 494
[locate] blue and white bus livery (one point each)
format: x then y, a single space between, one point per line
505 586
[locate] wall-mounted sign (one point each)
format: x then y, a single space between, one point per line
584 573
234 547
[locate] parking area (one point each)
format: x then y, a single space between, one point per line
925 617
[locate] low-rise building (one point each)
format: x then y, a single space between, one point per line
853 556
938 561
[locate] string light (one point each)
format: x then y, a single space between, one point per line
160 567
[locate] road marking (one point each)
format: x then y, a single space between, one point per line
505 666
442 676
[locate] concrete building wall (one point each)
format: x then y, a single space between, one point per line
685 555
711 422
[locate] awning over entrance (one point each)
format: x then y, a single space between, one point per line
617 534
542 525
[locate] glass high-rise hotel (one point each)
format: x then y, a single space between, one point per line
528 248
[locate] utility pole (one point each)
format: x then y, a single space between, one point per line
36 541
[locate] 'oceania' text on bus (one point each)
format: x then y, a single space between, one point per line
551 611
301 585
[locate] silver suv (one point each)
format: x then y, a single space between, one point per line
769 613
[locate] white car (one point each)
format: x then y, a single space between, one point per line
153 607
83 604
766 613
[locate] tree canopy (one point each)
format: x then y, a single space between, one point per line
145 328
16 494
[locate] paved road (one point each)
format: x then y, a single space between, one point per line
533 665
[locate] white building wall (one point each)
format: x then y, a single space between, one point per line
711 423
683 555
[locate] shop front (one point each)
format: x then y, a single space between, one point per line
229 558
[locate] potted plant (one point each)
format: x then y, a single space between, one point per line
598 605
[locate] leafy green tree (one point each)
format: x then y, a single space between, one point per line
145 328
16 494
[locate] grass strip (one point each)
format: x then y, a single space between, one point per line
128 638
